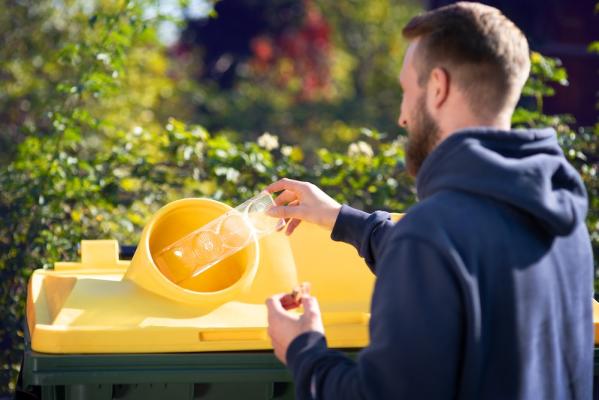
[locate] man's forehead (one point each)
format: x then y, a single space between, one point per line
408 57
410 51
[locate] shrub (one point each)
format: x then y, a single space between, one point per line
102 160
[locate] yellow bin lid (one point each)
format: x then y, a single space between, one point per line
105 305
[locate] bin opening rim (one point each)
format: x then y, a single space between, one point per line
249 272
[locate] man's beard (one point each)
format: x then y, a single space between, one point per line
423 136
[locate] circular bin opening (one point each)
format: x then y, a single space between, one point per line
178 223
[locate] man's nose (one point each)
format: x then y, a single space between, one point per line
402 122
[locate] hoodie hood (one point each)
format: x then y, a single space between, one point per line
525 169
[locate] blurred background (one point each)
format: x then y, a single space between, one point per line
109 109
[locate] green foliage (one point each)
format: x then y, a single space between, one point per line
369 175
89 150
580 146
363 64
79 70
60 190
73 76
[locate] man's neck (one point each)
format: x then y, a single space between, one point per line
502 123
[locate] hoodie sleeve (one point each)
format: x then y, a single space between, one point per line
366 232
415 336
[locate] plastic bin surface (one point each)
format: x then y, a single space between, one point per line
106 305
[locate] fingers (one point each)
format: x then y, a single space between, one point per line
286 212
287 184
311 318
292 225
293 203
306 287
287 196
310 304
291 199
273 304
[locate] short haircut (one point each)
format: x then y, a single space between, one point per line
484 53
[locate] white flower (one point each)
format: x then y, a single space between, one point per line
232 175
268 141
105 58
286 150
360 148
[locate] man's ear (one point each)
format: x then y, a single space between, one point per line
439 86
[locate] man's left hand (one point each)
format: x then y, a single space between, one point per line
284 326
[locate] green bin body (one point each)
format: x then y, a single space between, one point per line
244 375
171 376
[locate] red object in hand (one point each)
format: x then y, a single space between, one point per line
294 299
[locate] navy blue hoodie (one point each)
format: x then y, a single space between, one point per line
483 290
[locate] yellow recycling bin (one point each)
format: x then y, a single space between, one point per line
106 305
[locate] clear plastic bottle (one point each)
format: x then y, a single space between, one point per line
201 249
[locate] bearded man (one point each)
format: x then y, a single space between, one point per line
483 289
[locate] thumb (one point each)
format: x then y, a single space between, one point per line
311 307
273 305
297 212
311 319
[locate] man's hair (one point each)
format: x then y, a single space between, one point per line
483 52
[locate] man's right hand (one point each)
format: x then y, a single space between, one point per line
303 201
